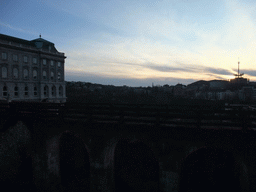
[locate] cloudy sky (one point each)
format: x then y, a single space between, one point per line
140 42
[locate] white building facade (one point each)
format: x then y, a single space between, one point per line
31 70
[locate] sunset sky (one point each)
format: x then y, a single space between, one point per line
140 42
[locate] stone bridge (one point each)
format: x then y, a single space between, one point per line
40 153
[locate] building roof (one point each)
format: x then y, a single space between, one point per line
14 39
41 40
38 43
42 43
18 40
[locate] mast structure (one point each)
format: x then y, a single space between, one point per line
238 67
238 75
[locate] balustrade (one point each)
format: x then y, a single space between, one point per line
169 116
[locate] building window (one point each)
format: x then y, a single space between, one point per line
35 91
26 91
15 73
58 75
53 91
4 56
58 63
25 73
44 61
46 91
4 91
44 75
15 57
60 91
52 75
34 74
16 89
4 72
34 60
25 59
52 63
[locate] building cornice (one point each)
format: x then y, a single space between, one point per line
30 49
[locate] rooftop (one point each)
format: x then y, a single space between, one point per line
38 43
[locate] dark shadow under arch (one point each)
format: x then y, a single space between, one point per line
22 180
74 163
209 169
25 174
18 175
135 167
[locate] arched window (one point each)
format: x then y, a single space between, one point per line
35 90
34 60
60 91
46 91
26 91
16 91
58 75
4 91
25 73
4 56
44 75
34 74
25 59
15 73
52 75
52 63
15 57
44 61
53 91
4 72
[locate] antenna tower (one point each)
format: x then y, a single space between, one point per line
238 66
238 75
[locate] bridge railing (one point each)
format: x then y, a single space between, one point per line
164 115
31 109
190 116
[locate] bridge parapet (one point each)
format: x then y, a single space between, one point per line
158 115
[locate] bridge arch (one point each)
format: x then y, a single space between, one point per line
16 158
133 166
210 169
74 162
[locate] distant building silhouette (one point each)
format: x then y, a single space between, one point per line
218 84
31 70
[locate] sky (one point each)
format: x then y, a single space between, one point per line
140 42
